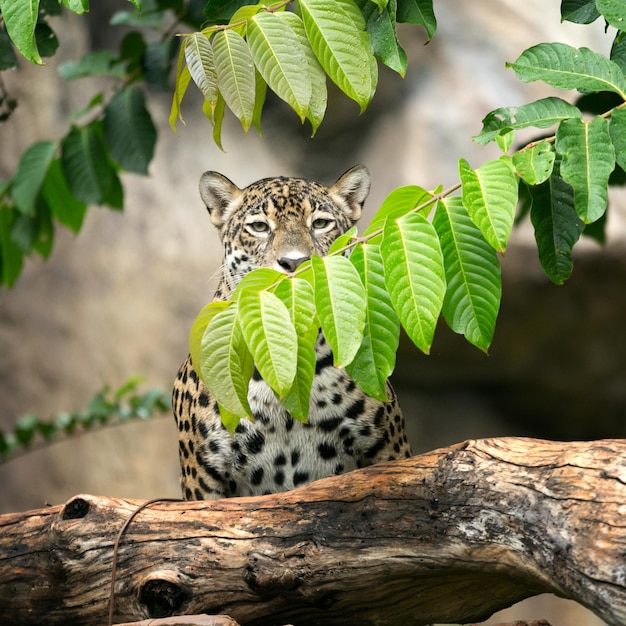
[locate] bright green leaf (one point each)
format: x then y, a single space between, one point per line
77 6
129 131
218 118
30 174
539 114
271 338
226 364
565 67
418 12
183 76
343 50
414 275
398 203
340 300
199 57
557 226
20 20
343 240
199 327
279 56
235 74
587 160
473 279
490 197
64 206
317 76
614 12
376 358
535 164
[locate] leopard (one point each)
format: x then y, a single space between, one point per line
280 223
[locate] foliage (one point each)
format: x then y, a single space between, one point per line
426 254
107 408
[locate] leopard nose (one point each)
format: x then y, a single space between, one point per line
291 264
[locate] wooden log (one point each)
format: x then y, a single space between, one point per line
449 536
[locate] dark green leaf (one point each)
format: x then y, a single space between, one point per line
64 206
8 59
617 131
99 63
129 131
11 257
557 226
220 11
158 60
618 50
30 175
86 165
47 42
579 11
418 12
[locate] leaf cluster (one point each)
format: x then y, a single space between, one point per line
107 408
55 181
409 268
253 46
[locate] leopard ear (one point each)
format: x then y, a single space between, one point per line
220 196
352 188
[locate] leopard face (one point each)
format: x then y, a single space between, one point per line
279 222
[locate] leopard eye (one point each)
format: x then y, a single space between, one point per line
320 223
259 227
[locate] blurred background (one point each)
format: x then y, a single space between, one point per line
119 298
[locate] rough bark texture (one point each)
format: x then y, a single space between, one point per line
449 536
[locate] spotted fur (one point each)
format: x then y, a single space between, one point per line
279 223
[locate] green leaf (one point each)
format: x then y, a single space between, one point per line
218 118
376 358
381 28
129 131
86 165
557 226
199 57
257 280
11 257
30 174
618 50
8 59
183 76
474 286
20 19
298 296
77 6
414 275
199 327
613 11
260 91
226 365
564 67
343 240
587 160
398 203
98 63
539 114
579 11
343 50
490 197
617 130
535 164
235 74
279 56
271 338
317 75
418 12
45 39
340 300
64 206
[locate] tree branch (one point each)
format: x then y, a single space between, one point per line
453 535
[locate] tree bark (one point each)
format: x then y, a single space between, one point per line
448 536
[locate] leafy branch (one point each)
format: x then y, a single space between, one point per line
107 408
407 270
